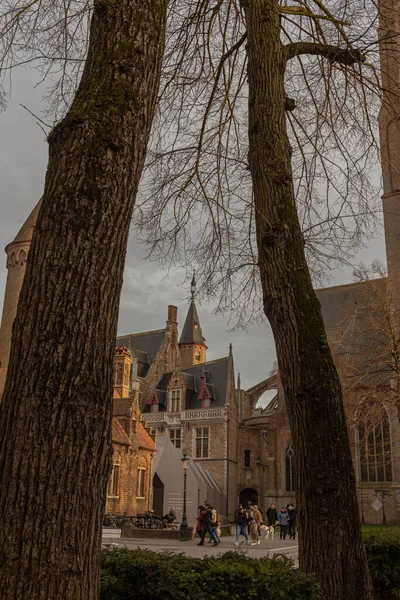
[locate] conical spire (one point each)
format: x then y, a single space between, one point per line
191 333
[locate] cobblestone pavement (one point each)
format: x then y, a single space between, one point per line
265 548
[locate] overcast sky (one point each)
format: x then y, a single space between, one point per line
147 289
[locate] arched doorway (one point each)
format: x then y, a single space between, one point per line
248 495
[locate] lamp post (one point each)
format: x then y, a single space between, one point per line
183 530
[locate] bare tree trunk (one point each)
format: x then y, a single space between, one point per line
55 442
330 540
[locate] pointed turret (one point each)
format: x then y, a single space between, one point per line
192 343
389 129
17 254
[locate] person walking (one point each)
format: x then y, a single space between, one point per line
210 524
200 525
292 521
255 522
283 519
272 515
241 520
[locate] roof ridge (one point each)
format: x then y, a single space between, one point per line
353 283
140 333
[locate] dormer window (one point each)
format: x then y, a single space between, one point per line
196 325
175 400
154 406
204 395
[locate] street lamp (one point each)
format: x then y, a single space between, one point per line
183 530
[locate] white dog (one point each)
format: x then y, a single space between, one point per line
269 531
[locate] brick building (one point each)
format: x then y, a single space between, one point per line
130 488
186 397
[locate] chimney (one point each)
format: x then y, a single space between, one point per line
172 314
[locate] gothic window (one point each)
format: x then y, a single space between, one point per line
202 442
140 489
247 458
175 436
175 400
113 482
197 356
290 474
374 444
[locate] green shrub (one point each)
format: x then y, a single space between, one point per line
145 575
383 552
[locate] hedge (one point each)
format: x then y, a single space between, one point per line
383 552
145 575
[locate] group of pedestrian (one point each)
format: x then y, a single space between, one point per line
286 519
248 521
208 521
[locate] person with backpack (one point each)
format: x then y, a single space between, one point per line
210 524
255 521
283 519
241 520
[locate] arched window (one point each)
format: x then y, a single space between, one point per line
290 475
374 444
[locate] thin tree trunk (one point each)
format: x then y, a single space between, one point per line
55 442
330 540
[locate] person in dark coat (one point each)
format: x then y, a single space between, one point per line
272 515
292 521
241 520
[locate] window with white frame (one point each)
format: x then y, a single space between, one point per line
374 444
202 442
141 477
113 482
175 400
175 435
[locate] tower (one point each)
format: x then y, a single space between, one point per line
17 254
122 372
389 130
192 343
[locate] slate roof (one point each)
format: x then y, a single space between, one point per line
143 346
216 372
191 332
119 434
339 302
357 312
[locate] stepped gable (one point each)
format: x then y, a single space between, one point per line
216 374
118 433
143 346
145 441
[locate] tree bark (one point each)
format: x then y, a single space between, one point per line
330 540
55 415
